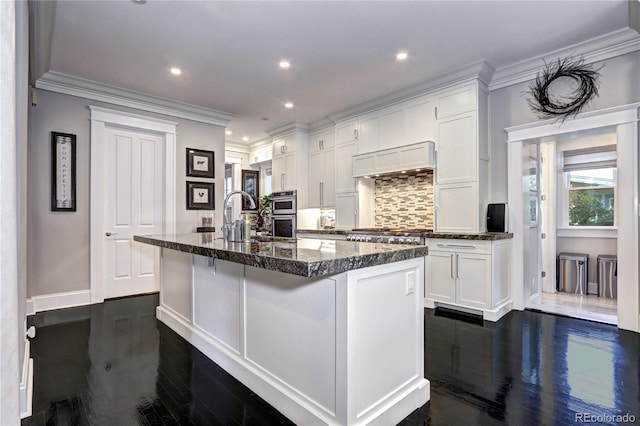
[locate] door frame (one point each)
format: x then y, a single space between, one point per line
101 118
624 120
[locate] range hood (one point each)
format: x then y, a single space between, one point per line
405 158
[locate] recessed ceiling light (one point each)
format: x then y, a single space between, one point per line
401 56
176 71
288 105
417 170
139 1
284 65
228 132
245 138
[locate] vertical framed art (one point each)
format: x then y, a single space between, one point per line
250 185
63 172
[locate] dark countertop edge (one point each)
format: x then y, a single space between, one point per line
314 269
489 236
324 231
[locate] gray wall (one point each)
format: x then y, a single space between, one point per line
619 85
591 246
58 242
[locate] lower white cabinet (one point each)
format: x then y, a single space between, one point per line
469 274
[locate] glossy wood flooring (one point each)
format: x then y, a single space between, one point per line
115 364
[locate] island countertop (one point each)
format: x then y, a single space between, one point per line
300 256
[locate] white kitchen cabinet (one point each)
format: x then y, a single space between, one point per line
290 165
419 118
260 154
347 210
322 169
469 274
462 165
369 133
457 100
407 157
345 182
457 149
456 207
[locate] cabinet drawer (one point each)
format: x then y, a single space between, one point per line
459 246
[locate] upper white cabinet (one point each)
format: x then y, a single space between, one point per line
289 167
322 169
462 167
260 154
415 156
346 147
397 125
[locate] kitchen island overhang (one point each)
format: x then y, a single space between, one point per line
339 342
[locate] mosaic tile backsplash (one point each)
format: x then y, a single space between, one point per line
404 200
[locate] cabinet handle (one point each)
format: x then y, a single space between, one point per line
457 266
255 159
457 246
321 194
281 180
355 134
451 266
436 113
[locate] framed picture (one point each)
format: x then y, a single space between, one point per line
63 172
200 196
250 185
200 163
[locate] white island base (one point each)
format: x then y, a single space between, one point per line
343 349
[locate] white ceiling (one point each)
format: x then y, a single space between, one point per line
342 53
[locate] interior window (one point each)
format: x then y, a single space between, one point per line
590 176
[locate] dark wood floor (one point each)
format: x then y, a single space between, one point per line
115 364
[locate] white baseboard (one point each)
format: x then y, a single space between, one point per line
49 302
26 382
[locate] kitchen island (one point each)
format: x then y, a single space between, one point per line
326 331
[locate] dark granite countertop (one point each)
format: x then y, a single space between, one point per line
487 236
324 231
300 256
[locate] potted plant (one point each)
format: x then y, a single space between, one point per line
264 212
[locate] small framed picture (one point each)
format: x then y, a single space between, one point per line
250 185
200 163
63 172
200 196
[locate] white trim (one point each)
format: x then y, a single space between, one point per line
100 118
52 301
608 117
598 49
623 120
29 308
584 232
26 382
88 89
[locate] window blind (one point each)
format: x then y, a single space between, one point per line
597 157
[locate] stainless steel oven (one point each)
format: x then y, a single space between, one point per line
283 225
283 202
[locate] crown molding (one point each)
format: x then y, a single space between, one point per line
236 147
481 70
261 143
89 89
322 124
288 128
598 49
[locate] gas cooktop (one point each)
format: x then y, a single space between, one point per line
388 235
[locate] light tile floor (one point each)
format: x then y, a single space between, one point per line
590 307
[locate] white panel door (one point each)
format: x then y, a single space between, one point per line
440 276
473 273
133 205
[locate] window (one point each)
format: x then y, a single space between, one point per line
590 176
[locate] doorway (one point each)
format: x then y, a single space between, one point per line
573 228
621 121
132 191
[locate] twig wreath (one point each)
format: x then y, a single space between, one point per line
566 106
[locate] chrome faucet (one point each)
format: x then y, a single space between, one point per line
227 225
